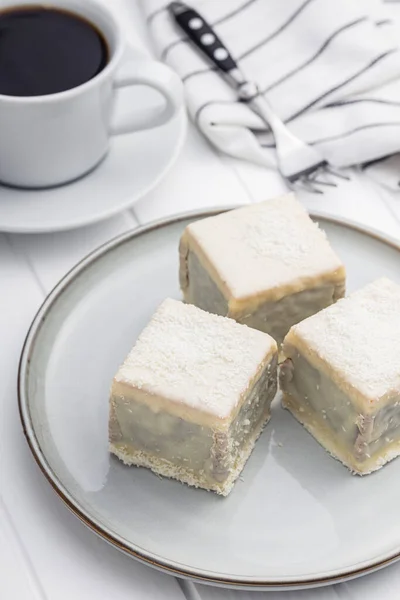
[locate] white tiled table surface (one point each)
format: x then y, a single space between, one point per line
45 552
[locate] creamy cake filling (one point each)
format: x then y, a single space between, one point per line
276 318
262 252
196 454
200 289
272 317
361 441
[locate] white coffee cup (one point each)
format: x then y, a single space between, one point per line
50 140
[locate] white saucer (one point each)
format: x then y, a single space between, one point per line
135 164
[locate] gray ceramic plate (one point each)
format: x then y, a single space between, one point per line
296 518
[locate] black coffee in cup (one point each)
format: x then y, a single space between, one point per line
47 50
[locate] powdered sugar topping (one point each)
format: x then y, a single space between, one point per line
359 337
190 356
265 246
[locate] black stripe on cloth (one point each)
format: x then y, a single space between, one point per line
211 103
383 22
160 10
226 17
340 136
342 84
287 75
269 146
360 100
376 161
253 49
339 104
315 56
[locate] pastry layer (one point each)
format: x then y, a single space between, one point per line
274 318
261 253
356 343
139 458
194 364
363 442
199 455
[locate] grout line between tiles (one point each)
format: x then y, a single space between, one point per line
17 254
342 591
34 581
132 212
131 217
188 589
238 177
382 193
387 204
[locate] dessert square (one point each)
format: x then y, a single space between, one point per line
193 396
341 376
266 265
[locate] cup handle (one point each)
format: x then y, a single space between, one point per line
155 75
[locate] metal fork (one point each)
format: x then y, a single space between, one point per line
298 163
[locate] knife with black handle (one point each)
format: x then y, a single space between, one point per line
296 159
204 37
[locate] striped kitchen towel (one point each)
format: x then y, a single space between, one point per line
329 68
